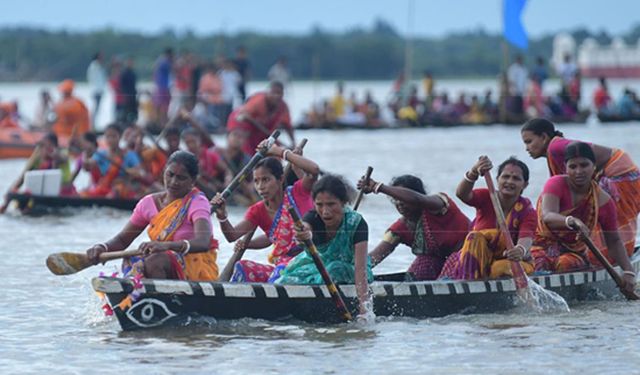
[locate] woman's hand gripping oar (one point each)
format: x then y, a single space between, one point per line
70 263
241 246
628 291
519 276
367 175
248 168
331 286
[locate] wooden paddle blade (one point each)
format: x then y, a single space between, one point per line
67 263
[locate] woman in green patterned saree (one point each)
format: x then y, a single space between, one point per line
340 235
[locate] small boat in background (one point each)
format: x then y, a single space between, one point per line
35 204
18 143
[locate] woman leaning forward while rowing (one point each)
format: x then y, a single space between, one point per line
572 203
179 226
340 235
431 225
615 172
485 253
271 214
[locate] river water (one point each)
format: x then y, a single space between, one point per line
55 323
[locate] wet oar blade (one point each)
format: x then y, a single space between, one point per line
67 263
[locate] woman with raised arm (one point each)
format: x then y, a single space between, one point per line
485 253
270 214
431 225
178 222
571 203
615 172
340 235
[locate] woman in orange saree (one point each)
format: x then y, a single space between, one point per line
616 173
179 226
573 203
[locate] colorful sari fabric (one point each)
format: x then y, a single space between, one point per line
561 250
336 254
431 239
194 266
620 178
284 249
555 155
481 256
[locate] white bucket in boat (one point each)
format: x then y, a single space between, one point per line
43 182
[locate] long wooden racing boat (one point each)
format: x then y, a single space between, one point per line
162 302
29 203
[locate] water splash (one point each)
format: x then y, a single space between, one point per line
369 317
542 300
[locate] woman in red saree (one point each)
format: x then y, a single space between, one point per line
179 226
572 203
271 214
615 172
485 253
431 225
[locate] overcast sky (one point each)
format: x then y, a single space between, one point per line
430 17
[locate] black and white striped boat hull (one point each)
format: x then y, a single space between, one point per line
166 301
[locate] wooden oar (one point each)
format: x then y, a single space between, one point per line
27 167
70 263
227 271
361 192
630 295
331 286
519 276
242 175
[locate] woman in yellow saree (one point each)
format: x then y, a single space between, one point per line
179 226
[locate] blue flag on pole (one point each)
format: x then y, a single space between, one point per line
513 29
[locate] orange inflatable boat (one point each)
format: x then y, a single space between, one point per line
18 143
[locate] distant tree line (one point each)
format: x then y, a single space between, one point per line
29 54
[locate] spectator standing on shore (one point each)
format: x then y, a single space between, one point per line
539 72
566 71
114 82
517 76
279 72
243 67
128 82
162 79
44 114
97 79
231 80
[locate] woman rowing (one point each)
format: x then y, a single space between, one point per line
615 172
116 166
271 214
340 235
571 203
178 222
48 155
485 253
431 225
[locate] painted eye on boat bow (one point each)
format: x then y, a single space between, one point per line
149 312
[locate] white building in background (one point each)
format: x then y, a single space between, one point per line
617 60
